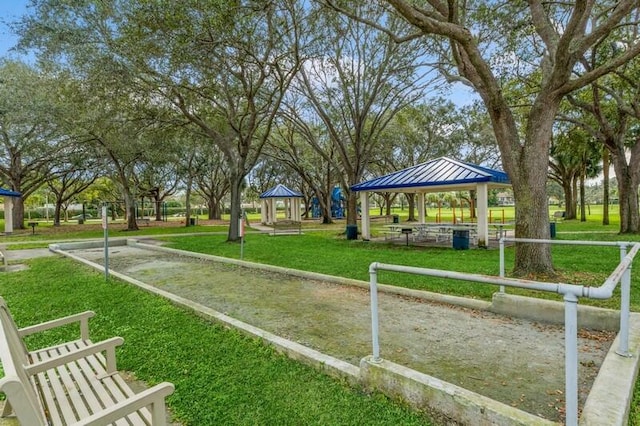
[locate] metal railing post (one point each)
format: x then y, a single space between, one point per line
571 358
625 300
373 284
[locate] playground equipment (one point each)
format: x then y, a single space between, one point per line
337 204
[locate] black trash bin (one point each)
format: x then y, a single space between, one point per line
80 221
552 229
396 218
352 232
461 239
192 221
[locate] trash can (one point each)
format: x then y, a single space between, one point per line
396 218
461 239
192 221
80 221
552 229
352 232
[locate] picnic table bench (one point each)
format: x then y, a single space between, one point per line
73 383
286 227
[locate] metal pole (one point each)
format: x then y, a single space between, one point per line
502 288
373 283
105 227
625 297
241 232
571 358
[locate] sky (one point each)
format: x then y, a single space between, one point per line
10 10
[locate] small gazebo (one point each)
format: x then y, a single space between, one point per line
8 208
291 201
441 174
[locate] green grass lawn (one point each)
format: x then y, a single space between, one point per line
221 376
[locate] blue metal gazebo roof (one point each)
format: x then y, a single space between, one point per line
280 191
442 171
8 193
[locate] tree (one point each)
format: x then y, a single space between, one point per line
359 80
72 176
609 111
416 134
225 69
211 179
302 145
520 57
30 136
223 65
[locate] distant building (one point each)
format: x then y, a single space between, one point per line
505 199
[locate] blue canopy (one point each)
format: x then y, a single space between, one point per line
442 171
7 193
280 191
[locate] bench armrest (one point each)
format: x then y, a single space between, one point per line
82 318
108 345
154 396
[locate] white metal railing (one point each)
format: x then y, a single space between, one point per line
571 293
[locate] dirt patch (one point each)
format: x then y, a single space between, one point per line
517 362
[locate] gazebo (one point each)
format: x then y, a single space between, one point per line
439 175
8 208
291 200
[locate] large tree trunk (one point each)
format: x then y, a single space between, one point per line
628 196
628 177
411 200
527 168
605 187
130 205
352 208
569 206
18 213
236 181
56 213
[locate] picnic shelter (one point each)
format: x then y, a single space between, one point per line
8 208
292 202
439 175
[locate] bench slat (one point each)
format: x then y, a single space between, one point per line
54 384
117 388
100 388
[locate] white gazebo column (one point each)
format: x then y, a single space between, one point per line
263 211
298 213
482 194
8 215
421 215
364 215
273 211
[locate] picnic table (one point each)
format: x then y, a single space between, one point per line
33 227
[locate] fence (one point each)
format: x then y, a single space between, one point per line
571 293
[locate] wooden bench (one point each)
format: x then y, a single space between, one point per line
559 215
3 258
144 220
286 227
73 383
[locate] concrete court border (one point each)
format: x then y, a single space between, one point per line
607 403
